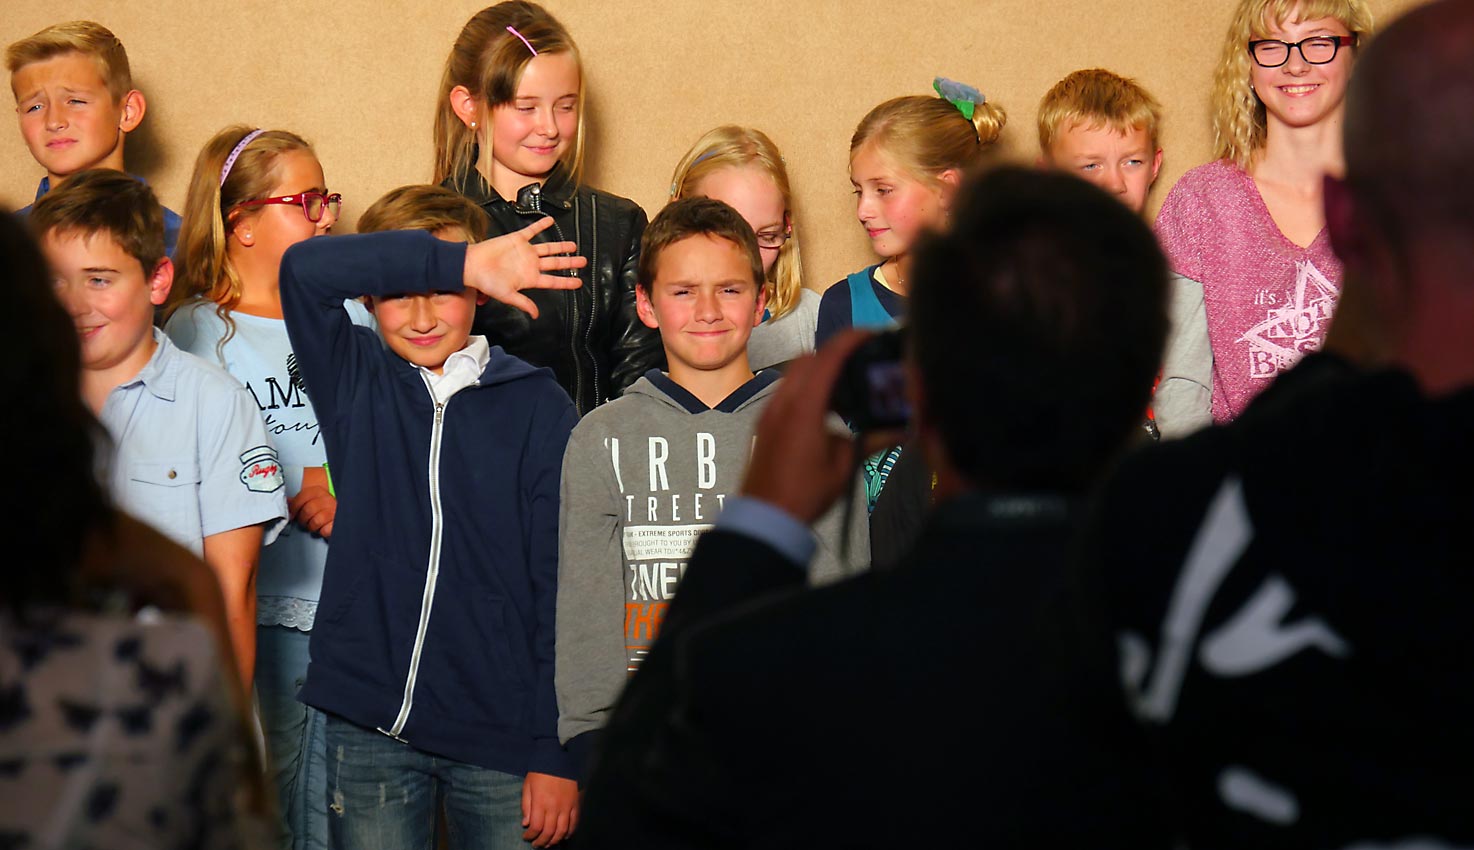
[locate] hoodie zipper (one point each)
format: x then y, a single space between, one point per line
432 570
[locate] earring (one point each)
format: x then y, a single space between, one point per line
473 126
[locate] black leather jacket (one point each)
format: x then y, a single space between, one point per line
591 337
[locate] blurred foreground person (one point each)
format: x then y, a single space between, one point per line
120 724
1295 615
969 697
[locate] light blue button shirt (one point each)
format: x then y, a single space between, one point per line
190 454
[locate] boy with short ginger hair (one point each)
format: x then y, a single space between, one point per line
191 455
647 473
433 658
76 103
1105 128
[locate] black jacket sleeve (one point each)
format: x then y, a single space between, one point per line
726 571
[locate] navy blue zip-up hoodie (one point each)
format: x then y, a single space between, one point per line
435 623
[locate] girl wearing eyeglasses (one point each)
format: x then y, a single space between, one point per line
1249 226
253 194
509 135
742 168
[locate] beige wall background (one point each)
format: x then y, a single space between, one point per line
358 79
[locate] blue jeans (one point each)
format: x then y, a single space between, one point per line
295 749
384 795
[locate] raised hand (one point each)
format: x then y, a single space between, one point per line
798 463
501 268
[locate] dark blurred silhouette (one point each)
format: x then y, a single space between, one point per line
117 716
969 697
1295 605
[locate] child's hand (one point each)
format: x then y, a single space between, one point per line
502 267
549 809
314 508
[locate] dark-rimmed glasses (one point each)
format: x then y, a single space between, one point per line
312 204
1318 50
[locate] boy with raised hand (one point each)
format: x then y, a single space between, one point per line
191 456
75 99
432 651
647 473
1104 128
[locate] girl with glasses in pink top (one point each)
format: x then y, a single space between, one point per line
1249 226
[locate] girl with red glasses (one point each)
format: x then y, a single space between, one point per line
253 194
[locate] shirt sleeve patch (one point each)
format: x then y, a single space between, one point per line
260 471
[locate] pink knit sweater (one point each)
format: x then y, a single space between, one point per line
1268 300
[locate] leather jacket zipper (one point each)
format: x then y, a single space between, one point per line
533 196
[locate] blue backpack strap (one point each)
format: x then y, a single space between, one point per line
865 308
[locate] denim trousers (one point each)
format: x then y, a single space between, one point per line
296 754
384 794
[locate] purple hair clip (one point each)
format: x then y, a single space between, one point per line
530 48
235 152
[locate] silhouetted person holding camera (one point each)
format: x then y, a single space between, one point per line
970 697
1296 609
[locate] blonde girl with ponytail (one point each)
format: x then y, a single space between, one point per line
908 157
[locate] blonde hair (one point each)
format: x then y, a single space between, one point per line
85 37
429 208
204 267
730 146
488 60
1098 98
928 135
1238 115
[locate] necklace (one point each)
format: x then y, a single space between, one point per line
900 281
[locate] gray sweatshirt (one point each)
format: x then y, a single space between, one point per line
643 477
1183 403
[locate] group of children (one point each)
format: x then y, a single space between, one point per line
458 461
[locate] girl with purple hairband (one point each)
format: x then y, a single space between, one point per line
253 194
509 135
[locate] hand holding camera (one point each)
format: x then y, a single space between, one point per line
800 464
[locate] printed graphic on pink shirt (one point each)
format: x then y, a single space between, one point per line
1295 322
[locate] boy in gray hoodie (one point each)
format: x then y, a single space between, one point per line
647 473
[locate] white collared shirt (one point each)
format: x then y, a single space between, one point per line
462 369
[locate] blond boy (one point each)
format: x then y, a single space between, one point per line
1105 128
76 104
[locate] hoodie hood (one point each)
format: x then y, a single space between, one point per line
658 386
